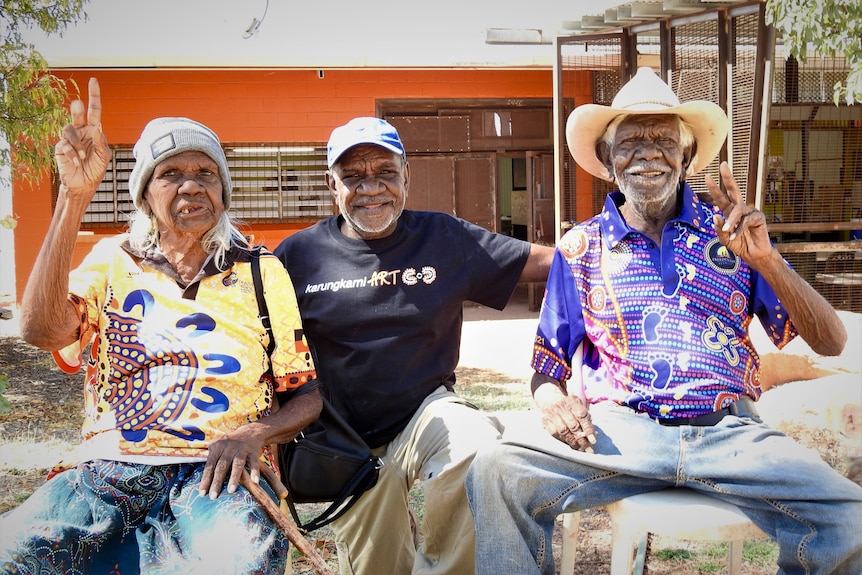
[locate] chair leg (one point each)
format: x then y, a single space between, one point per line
571 526
624 545
734 558
640 555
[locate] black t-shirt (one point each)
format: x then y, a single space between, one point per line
384 316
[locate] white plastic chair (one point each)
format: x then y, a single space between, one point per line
677 513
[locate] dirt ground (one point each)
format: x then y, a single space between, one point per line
825 413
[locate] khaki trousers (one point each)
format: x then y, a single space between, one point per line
436 447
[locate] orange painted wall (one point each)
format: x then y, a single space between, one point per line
254 106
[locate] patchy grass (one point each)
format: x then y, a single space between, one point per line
670 556
492 391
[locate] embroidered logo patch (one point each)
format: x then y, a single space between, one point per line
720 258
162 145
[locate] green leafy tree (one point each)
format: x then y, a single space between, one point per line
828 28
32 109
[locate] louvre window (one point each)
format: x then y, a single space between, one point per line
272 183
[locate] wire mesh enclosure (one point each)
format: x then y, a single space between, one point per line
795 154
835 273
814 154
602 57
695 75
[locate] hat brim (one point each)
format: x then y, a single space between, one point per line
586 125
370 140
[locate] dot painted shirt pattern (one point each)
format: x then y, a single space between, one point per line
669 322
168 374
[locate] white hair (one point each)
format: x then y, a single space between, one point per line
144 235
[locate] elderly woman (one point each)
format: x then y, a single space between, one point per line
179 397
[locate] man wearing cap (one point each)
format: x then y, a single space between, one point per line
381 292
178 401
646 376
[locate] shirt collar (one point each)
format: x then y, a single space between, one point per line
155 259
614 228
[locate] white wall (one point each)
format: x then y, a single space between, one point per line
309 34
7 251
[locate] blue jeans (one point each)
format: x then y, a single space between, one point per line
110 517
517 488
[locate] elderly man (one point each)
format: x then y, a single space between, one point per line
179 390
660 289
381 290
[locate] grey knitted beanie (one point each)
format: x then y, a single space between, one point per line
166 137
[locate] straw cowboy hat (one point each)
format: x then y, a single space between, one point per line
646 93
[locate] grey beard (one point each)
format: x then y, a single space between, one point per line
648 206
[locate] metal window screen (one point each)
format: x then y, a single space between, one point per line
281 182
804 172
272 183
112 204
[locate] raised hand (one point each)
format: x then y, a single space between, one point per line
82 154
743 229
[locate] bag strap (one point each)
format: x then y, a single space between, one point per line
345 500
262 308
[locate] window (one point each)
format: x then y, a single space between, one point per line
272 183
112 203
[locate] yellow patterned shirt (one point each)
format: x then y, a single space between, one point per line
172 368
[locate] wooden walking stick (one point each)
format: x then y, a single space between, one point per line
289 529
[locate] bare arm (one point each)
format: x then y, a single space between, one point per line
241 449
743 230
538 264
48 320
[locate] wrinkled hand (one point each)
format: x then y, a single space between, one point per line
227 459
743 229
569 420
82 154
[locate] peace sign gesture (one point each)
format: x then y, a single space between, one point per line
743 228
82 154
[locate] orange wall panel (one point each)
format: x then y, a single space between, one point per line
252 106
285 105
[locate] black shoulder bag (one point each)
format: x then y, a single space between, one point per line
328 461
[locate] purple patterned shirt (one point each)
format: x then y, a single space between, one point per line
667 325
